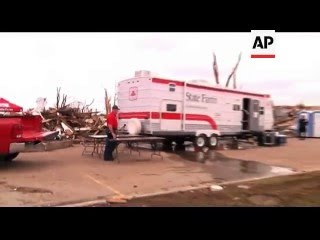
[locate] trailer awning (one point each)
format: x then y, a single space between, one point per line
6 106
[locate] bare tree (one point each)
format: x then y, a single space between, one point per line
107 102
63 103
85 107
215 68
58 97
234 71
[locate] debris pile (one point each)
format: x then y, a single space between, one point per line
73 120
285 117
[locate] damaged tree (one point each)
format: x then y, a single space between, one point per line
64 99
233 73
85 107
107 100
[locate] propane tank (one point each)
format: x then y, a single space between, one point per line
134 126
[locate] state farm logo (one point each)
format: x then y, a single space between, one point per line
133 93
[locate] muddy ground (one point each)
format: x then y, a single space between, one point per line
286 191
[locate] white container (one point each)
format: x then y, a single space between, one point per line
134 126
142 73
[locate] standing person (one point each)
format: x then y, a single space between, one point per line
302 127
112 123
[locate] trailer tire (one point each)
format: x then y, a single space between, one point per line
8 157
200 141
213 141
167 145
179 144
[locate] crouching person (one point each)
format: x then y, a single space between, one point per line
112 123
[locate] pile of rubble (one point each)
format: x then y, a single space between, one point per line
72 121
285 117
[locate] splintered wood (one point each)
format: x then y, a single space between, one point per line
285 117
74 120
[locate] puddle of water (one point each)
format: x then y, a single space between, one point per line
230 169
226 169
281 170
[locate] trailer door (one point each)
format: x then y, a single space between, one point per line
171 115
250 117
254 115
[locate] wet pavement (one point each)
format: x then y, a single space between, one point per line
49 178
226 169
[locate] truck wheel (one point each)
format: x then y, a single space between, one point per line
200 141
213 141
8 157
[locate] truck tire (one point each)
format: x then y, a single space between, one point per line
213 141
8 157
200 141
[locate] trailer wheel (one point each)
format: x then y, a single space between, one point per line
179 144
200 141
213 141
167 145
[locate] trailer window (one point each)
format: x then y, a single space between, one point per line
171 107
172 87
236 107
261 110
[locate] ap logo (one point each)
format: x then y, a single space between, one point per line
263 44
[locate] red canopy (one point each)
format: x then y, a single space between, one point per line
6 106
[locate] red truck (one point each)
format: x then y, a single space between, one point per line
18 131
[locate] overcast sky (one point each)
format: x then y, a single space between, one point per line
33 65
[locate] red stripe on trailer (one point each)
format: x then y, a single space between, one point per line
139 115
199 117
178 83
166 81
169 116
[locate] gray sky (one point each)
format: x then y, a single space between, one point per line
32 65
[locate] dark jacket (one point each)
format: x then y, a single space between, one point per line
302 124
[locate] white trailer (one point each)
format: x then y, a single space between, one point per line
196 110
